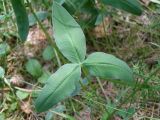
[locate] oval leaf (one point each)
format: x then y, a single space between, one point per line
44 77
34 68
21 18
60 1
2 72
58 87
4 49
68 35
132 6
48 53
22 95
107 66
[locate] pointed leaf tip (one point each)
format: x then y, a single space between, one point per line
68 35
107 66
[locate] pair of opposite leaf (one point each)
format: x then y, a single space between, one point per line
70 40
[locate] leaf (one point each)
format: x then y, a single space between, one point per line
155 1
2 116
50 115
77 89
42 15
73 6
58 87
99 19
110 109
4 49
44 77
85 8
2 17
107 66
13 106
5 17
2 72
21 18
83 82
60 1
34 67
48 53
68 35
22 95
132 6
126 114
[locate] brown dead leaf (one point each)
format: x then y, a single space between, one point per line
146 2
100 31
36 40
35 43
84 115
15 60
144 19
17 80
26 107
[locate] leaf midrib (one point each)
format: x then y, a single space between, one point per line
60 84
103 63
70 36
128 4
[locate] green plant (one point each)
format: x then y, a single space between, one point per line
70 40
130 6
88 7
97 10
48 53
21 18
2 72
96 96
34 68
4 49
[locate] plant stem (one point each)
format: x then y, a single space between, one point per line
51 42
5 11
99 82
101 86
72 105
135 90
